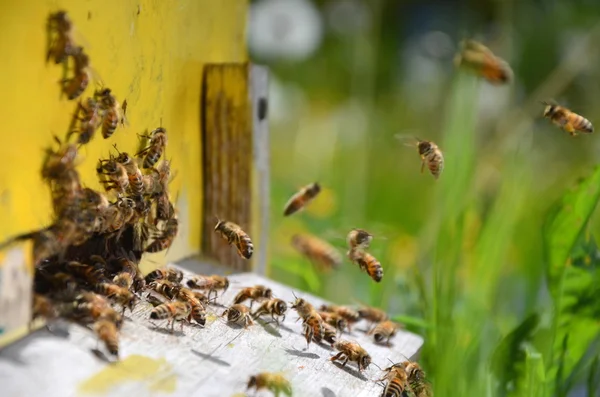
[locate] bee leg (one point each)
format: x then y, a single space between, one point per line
422 165
346 360
336 357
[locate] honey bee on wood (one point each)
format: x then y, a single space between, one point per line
256 293
323 255
75 86
212 283
106 331
567 120
152 153
90 307
167 273
120 295
372 314
239 314
172 311
301 199
352 351
312 322
89 116
112 112
334 319
384 331
359 238
273 382
350 315
478 59
274 307
164 239
60 37
367 263
397 383
198 313
113 175
166 288
129 266
234 235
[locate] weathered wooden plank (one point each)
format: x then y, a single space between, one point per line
212 361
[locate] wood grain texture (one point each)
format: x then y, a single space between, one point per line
227 157
213 361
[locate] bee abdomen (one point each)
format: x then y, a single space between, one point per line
161 312
151 158
584 125
246 248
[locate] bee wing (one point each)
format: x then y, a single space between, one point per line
408 139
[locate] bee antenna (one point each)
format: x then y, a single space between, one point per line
115 146
377 366
294 293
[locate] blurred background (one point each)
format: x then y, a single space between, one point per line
463 256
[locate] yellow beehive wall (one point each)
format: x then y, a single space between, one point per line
150 53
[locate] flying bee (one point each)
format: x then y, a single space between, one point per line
172 311
120 295
89 115
166 288
75 86
274 307
350 315
158 142
384 330
273 382
312 322
256 293
115 173
431 155
478 59
234 235
239 314
212 283
136 179
62 44
301 199
372 314
351 351
334 319
319 252
106 331
359 238
168 273
367 263
198 312
111 110
163 240
567 120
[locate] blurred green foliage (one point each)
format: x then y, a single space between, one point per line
495 264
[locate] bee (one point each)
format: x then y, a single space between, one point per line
90 119
432 156
274 307
351 351
43 307
480 60
164 239
120 295
334 319
372 314
89 306
329 334
367 263
116 174
168 273
57 163
106 331
234 235
123 280
75 86
92 274
256 293
136 179
350 315
172 311
166 288
62 45
417 380
111 110
312 322
211 283
567 120
130 267
61 281
275 383
318 251
154 300
198 313
301 199
239 314
384 330
158 142
359 238
397 382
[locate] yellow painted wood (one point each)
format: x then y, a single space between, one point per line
150 53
